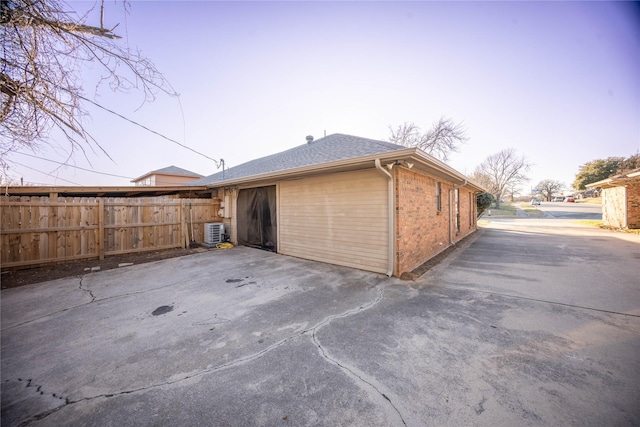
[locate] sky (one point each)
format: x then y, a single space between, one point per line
557 81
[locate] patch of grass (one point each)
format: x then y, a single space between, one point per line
507 207
590 200
600 224
506 210
624 230
589 222
531 211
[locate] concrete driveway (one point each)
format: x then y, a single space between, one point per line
527 324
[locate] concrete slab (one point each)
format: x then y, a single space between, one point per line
244 337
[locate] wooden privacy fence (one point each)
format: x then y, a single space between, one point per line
40 230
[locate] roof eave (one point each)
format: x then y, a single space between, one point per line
448 171
604 182
613 182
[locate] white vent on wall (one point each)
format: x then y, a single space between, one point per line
213 232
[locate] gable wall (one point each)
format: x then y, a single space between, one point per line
173 179
613 206
421 231
165 180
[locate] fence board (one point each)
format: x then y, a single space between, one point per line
40 230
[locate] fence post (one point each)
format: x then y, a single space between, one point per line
183 226
101 236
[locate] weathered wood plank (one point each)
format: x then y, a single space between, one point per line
100 239
39 230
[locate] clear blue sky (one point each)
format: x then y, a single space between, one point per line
557 81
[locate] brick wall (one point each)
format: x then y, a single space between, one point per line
423 232
633 204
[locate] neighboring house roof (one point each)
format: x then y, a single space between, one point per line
169 170
324 150
617 180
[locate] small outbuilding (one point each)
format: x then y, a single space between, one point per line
620 199
349 201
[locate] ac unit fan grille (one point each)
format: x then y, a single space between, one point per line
214 232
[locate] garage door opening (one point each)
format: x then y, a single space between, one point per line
257 218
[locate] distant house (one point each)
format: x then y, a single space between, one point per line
168 176
620 199
348 201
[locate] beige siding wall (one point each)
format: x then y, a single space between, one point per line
161 180
339 219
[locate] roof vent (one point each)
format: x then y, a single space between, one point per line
309 139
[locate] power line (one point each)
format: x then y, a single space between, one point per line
150 130
73 166
47 174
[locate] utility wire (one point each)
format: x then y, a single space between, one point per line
47 174
73 166
150 130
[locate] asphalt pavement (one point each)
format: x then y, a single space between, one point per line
569 210
528 322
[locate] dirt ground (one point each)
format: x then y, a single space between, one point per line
27 276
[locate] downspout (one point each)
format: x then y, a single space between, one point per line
391 252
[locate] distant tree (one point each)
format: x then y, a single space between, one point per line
630 163
483 202
444 137
44 46
548 188
596 170
513 191
501 171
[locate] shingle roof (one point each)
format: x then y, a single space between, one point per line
324 150
174 170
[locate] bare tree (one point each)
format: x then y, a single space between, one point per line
44 46
513 191
501 171
444 137
548 188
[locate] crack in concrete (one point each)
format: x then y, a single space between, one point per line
243 360
480 406
93 297
40 391
347 369
26 322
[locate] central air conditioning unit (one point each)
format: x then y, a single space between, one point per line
213 233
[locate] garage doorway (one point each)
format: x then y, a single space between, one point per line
257 218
